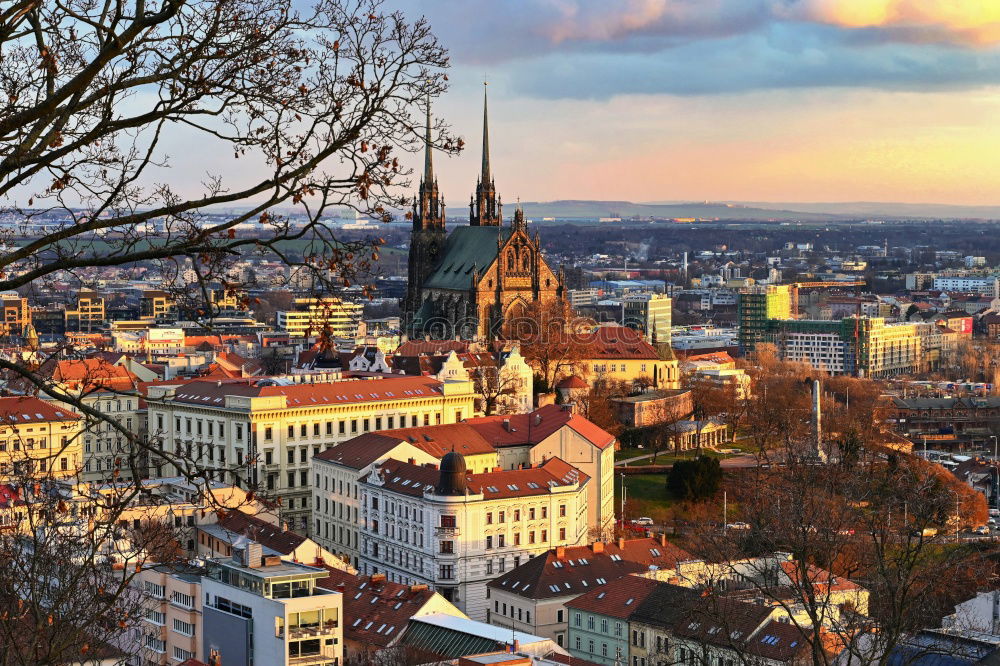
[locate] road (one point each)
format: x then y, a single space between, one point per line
741 461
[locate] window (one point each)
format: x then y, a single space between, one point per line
590 622
545 512
502 517
562 510
183 628
489 568
604 626
291 479
315 430
291 456
268 458
156 617
268 434
303 430
489 517
180 654
562 533
153 590
155 644
500 541
577 619
489 544
447 572
578 643
531 513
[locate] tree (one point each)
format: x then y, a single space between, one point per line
695 479
494 385
318 103
552 339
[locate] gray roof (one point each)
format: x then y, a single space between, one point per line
467 248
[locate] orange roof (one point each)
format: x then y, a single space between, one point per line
520 429
572 382
29 409
93 373
213 393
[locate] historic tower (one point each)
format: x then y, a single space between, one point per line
428 236
484 211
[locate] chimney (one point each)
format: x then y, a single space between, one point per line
663 539
214 659
411 461
506 425
598 547
621 542
560 552
538 419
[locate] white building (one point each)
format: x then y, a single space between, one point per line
264 610
988 286
260 430
314 316
457 531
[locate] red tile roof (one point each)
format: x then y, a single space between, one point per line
620 342
412 480
28 409
213 393
417 347
91 374
361 451
572 382
618 600
264 533
574 570
375 610
521 429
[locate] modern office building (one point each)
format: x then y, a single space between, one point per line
756 306
320 316
650 313
988 286
87 315
261 609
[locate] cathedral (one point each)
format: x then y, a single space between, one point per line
468 283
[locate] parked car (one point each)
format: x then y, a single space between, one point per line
926 532
995 513
738 526
645 520
982 529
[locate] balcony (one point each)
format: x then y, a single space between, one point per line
313 631
313 659
447 531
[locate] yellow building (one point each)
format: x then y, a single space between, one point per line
88 315
267 431
39 439
622 354
16 314
313 316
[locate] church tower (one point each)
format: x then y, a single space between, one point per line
484 211
428 236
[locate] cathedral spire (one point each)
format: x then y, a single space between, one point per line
486 139
428 150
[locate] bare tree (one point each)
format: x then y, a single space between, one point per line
318 103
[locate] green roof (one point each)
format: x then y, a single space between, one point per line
467 248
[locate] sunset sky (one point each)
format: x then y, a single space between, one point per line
754 100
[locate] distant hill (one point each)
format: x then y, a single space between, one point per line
702 210
875 209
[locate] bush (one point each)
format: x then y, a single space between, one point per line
695 479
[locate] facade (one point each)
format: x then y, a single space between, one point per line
87 315
312 317
756 306
16 314
649 313
470 282
38 438
157 305
988 286
861 346
456 531
598 620
951 423
622 354
172 602
532 598
264 610
266 431
336 474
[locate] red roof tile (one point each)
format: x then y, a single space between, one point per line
28 409
618 600
213 393
521 429
375 610
264 533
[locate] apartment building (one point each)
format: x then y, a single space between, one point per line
172 607
756 306
314 316
38 438
457 531
264 610
266 431
649 313
336 474
157 305
988 286
532 597
87 314
16 316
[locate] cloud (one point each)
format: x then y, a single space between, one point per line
957 22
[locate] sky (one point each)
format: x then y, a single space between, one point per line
724 100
